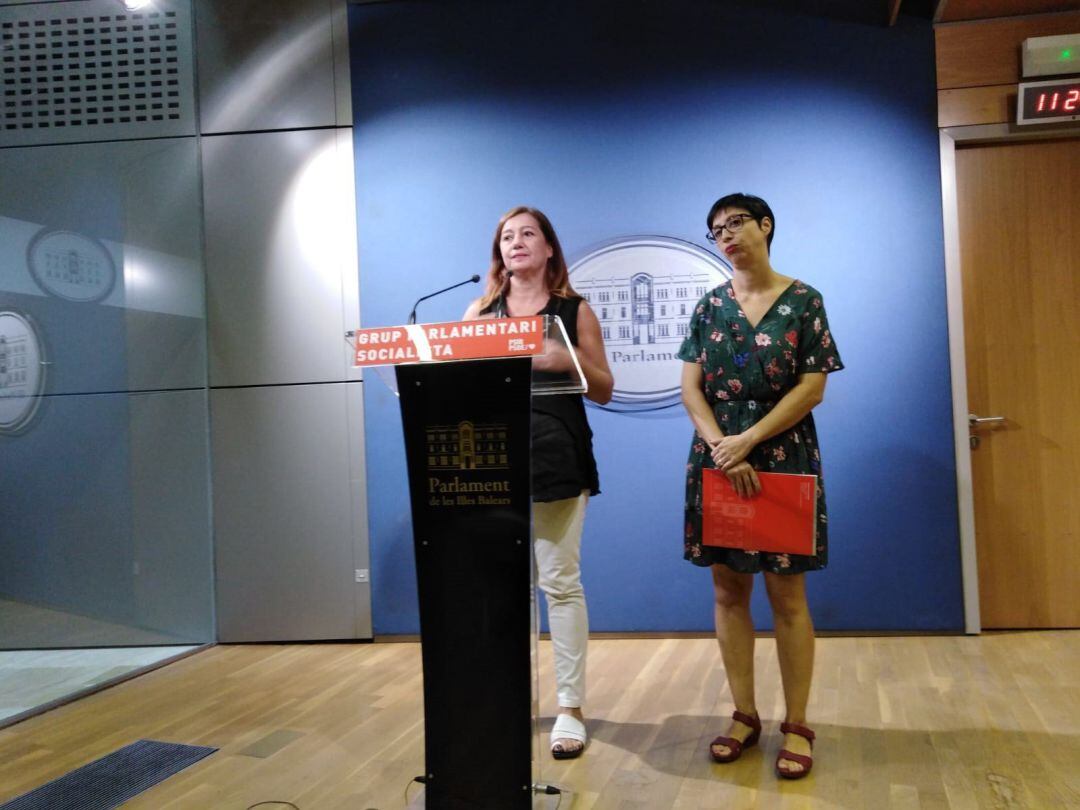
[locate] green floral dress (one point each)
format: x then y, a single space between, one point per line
746 371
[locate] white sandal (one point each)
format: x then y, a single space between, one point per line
568 727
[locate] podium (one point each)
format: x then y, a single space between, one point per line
466 414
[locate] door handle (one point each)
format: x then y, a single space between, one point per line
975 422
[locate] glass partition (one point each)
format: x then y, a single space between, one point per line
104 492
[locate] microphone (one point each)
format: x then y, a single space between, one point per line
473 279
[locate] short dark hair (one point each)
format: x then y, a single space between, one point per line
755 206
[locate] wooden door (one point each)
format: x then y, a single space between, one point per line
1019 207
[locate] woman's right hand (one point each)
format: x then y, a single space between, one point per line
554 358
744 479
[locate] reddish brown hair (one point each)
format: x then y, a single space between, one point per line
556 275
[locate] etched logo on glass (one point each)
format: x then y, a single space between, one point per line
71 266
22 372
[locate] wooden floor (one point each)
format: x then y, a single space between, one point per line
961 722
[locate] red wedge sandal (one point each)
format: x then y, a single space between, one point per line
736 747
806 761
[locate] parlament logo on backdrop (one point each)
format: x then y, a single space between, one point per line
644 290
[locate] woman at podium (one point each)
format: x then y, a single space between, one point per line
756 356
528 276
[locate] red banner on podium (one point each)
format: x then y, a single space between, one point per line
455 340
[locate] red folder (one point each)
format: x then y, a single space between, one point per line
781 519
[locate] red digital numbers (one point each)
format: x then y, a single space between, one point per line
1059 100
1071 102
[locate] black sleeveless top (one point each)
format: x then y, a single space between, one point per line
562 458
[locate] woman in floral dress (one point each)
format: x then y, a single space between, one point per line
756 357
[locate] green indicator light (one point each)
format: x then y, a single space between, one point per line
1066 55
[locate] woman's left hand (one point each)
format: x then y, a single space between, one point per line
731 450
744 478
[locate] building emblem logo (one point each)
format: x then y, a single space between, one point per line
466 446
460 460
643 290
22 373
71 266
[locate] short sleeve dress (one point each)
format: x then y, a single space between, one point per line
746 370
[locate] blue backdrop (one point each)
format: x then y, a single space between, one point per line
622 119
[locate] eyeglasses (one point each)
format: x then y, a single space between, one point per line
733 225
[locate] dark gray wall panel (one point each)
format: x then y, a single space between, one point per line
342 69
170 514
354 403
280 256
287 471
266 64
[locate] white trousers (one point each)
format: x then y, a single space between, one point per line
557 528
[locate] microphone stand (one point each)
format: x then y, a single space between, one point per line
500 307
472 280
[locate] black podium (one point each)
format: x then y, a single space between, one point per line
467 443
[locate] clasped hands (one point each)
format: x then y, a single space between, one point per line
729 454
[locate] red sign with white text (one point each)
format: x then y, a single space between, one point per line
457 340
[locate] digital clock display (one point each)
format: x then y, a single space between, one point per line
1047 102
